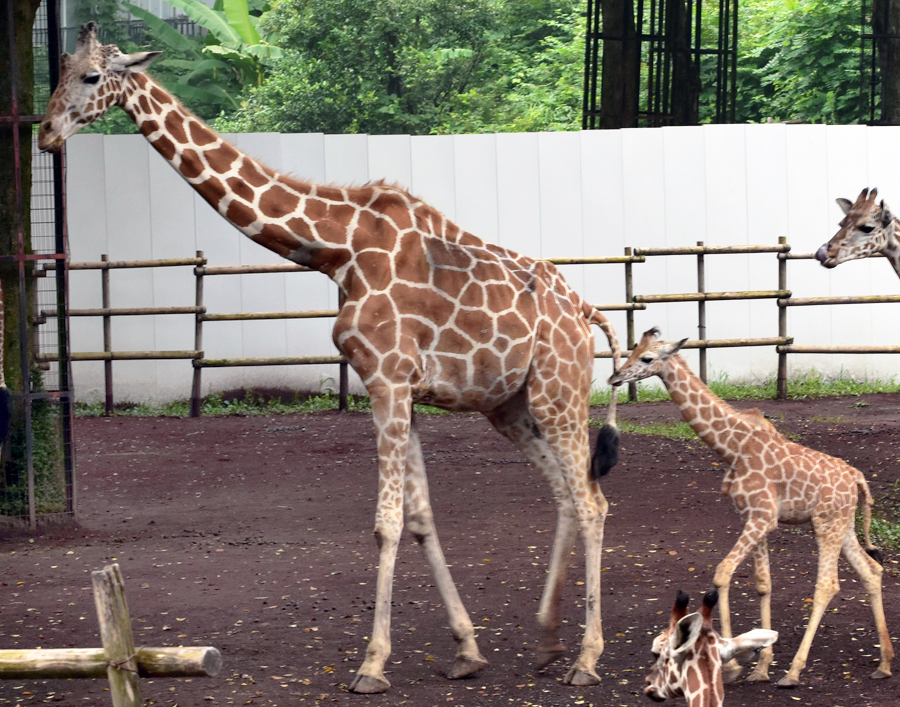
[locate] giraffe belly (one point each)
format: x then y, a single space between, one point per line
465 384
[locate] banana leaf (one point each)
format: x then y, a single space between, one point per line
238 15
215 22
168 34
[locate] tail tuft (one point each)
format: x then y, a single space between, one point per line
606 451
876 555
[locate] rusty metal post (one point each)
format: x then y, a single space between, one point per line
196 385
701 311
629 318
781 383
107 335
344 384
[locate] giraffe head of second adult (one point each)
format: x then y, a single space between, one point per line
91 80
647 359
867 228
690 653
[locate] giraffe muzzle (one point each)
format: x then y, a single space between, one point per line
822 257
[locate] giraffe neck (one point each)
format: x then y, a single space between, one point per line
714 420
282 214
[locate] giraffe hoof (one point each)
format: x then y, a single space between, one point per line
464 667
545 656
788 682
879 675
368 685
579 678
759 676
730 674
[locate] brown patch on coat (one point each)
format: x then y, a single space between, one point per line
276 202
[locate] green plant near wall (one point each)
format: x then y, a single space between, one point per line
48 463
234 54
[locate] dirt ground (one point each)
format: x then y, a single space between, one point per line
254 535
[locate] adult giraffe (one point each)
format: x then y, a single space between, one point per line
431 314
866 229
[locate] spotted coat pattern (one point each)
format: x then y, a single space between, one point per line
771 479
430 314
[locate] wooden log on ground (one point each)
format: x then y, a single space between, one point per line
63 663
118 641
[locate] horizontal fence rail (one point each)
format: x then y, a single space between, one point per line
783 344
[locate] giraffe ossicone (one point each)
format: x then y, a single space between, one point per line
868 228
770 479
431 314
690 653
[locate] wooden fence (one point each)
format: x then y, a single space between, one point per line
631 302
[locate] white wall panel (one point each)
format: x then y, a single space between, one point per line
127 183
518 192
563 194
475 185
432 177
847 171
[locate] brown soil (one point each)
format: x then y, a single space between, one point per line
254 535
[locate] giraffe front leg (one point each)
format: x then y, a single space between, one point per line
391 410
756 528
420 521
760 672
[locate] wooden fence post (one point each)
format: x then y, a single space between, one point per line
781 382
107 334
196 392
701 311
115 632
629 318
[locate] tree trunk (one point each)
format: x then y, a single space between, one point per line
886 27
620 77
685 105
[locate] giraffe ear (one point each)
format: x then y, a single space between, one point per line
845 205
134 63
743 646
886 215
685 635
670 349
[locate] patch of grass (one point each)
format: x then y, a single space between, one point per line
811 384
669 430
885 533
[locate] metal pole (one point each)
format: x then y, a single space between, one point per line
629 319
782 323
701 311
107 336
198 338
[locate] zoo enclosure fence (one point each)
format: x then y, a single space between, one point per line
783 343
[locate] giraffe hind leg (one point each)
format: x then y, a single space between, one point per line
420 521
871 574
515 423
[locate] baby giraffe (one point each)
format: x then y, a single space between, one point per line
689 655
771 479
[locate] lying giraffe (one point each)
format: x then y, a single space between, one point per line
866 229
689 654
771 479
431 314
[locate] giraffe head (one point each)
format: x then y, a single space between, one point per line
690 654
90 81
865 229
648 359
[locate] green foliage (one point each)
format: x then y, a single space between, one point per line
669 430
419 67
811 384
799 61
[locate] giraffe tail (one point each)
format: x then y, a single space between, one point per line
872 551
606 450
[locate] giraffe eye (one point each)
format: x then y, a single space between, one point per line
647 359
867 229
92 79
